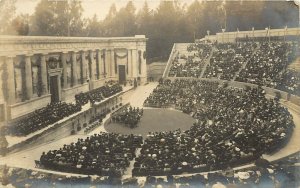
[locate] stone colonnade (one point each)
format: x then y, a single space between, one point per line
38 70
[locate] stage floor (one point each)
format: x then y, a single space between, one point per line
155 120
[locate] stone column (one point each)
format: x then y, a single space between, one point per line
92 66
144 65
83 59
44 74
74 69
104 67
108 63
134 63
129 63
11 80
102 63
28 76
112 61
65 69
99 63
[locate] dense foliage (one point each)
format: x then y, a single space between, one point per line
170 22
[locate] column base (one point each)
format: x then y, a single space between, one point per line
143 80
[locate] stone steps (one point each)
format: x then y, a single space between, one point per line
128 171
207 61
245 64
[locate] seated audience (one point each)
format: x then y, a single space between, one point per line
128 116
233 126
43 117
228 58
268 66
263 63
100 154
99 94
193 65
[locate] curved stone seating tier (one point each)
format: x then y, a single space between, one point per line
147 153
269 91
155 165
260 63
141 172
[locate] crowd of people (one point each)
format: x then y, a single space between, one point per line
99 94
41 118
228 59
233 126
289 81
54 112
129 116
281 173
270 176
106 154
263 63
266 64
192 65
95 121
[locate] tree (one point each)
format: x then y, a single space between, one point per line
44 19
129 20
76 22
194 17
21 24
93 28
166 21
58 18
108 23
121 23
243 15
7 13
211 19
278 14
144 20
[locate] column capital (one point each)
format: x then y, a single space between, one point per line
11 56
131 48
44 53
92 50
28 55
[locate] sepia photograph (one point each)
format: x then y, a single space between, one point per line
150 93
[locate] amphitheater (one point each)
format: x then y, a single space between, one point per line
226 112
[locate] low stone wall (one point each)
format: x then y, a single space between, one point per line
20 109
98 83
69 93
156 70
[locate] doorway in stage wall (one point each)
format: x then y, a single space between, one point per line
54 90
122 74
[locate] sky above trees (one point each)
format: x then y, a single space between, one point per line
91 7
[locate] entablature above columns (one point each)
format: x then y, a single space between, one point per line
21 45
